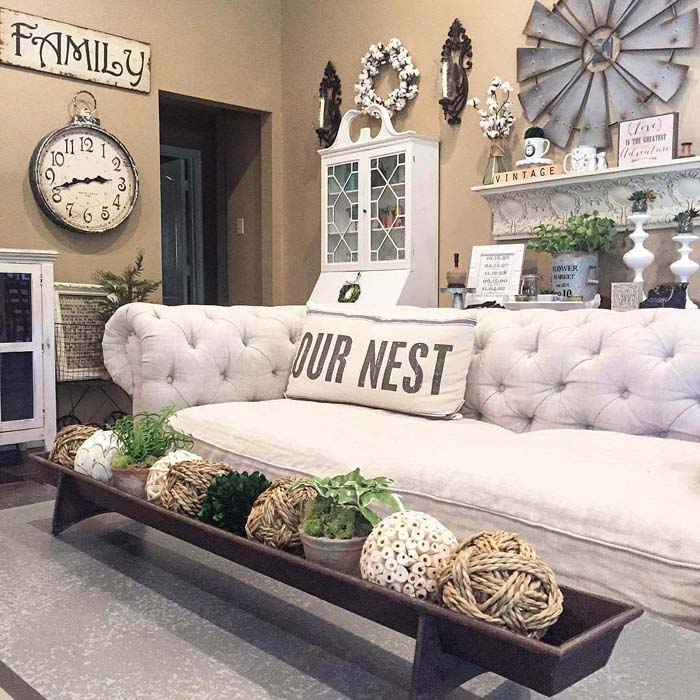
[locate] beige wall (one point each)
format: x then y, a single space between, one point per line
315 31
227 52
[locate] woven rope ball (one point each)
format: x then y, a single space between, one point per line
187 484
405 552
67 443
496 577
159 471
277 514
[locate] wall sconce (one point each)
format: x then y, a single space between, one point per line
456 61
328 107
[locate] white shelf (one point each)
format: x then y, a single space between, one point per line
519 207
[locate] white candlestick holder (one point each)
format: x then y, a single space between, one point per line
639 258
684 268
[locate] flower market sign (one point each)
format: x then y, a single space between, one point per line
48 46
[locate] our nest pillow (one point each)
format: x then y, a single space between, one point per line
401 359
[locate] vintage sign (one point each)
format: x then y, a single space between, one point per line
650 139
494 271
48 46
533 172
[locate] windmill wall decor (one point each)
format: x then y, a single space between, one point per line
599 62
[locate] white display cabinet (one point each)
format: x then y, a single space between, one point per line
379 215
27 374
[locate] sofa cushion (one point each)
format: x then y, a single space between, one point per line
404 359
614 514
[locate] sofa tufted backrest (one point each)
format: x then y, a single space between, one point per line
193 355
635 372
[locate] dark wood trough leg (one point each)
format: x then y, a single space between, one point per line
70 507
436 673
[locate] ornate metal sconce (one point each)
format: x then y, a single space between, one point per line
328 107
456 61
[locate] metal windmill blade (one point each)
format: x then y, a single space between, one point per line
600 61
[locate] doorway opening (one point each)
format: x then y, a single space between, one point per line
211 202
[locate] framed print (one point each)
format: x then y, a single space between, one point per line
495 271
651 139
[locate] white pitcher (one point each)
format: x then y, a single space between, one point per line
582 159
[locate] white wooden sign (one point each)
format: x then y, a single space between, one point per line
650 139
32 42
495 270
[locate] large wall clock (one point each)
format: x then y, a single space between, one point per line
598 62
82 176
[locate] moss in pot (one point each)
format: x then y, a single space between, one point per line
143 439
337 523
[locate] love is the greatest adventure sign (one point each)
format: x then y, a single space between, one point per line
650 139
36 43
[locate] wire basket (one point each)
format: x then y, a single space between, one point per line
79 352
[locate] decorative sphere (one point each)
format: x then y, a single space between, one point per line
277 514
498 578
67 443
159 471
405 552
95 456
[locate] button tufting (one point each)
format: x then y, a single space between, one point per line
169 379
560 388
501 388
625 394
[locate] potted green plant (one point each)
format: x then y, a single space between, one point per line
575 252
685 219
143 439
641 199
336 523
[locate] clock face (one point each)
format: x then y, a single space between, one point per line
84 178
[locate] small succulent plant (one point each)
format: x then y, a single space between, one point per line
643 196
686 216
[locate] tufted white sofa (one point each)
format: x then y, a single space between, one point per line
559 440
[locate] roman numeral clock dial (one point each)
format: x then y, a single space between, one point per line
83 177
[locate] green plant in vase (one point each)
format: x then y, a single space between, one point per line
685 219
641 199
338 521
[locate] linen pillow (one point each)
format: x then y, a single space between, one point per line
402 359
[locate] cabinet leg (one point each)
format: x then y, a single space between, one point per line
435 672
70 507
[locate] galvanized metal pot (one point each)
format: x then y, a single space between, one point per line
575 275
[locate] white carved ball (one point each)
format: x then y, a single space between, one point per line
159 471
405 552
95 456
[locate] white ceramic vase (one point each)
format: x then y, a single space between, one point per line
684 268
639 258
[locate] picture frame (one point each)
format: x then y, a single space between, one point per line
494 271
78 332
649 139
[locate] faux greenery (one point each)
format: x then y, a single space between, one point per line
643 196
146 437
586 233
341 499
124 288
534 132
230 498
686 216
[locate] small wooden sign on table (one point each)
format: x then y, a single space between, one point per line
533 172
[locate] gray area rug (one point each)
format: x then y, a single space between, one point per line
112 610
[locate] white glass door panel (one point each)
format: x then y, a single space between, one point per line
341 238
21 383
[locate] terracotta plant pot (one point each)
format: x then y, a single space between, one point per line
340 555
131 481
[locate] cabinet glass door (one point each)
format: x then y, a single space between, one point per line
20 350
388 208
342 238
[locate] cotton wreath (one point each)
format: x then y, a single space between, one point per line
396 55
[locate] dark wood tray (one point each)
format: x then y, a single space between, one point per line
450 648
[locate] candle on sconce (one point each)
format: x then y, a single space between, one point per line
321 112
445 82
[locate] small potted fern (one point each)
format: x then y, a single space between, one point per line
143 439
336 523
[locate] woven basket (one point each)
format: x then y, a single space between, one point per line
67 443
277 515
187 484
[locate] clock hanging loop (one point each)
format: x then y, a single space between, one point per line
83 108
